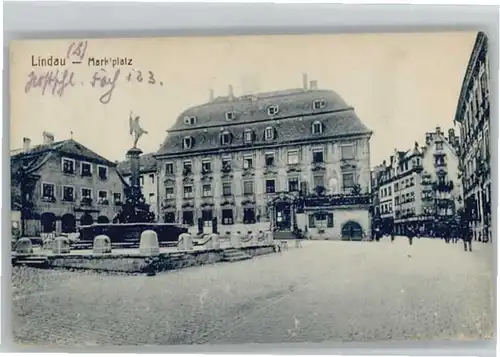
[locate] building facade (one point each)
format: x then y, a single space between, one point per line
241 163
58 186
148 180
420 186
473 117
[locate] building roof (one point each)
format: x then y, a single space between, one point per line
254 108
69 147
480 45
292 124
147 163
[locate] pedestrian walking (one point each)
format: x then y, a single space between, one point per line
392 236
467 237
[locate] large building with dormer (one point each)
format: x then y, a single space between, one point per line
60 185
239 164
473 117
420 186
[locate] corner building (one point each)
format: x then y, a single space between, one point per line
239 163
473 116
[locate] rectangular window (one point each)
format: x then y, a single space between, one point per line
396 200
248 215
187 167
227 216
102 172
102 197
226 164
329 220
206 215
269 157
169 193
188 218
347 152
248 136
86 169
248 187
226 189
68 193
319 181
247 162
293 184
169 168
207 190
188 192
225 138
439 145
117 198
312 221
141 179
348 180
270 186
68 166
389 191
293 157
318 156
86 193
317 128
206 166
152 178
269 133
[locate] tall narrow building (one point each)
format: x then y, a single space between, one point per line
473 116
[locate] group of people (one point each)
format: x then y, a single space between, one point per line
450 234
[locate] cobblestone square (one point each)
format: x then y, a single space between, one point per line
325 291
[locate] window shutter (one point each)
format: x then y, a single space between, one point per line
275 133
254 136
323 127
193 141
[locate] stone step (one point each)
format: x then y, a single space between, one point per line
232 255
31 260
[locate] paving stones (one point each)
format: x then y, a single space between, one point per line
339 291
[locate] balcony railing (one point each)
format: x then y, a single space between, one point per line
443 186
86 201
337 200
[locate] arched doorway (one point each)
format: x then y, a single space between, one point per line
68 223
102 219
48 221
352 231
86 220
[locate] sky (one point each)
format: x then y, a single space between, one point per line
401 85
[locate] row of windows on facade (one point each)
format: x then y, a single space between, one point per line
250 216
293 185
272 111
387 191
401 169
475 103
250 136
68 194
86 168
347 153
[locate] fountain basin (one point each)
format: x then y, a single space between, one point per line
129 234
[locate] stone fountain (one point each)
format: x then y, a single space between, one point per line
135 216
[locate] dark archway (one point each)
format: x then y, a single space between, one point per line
48 221
86 219
68 223
352 231
102 219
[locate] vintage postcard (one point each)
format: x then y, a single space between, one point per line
251 189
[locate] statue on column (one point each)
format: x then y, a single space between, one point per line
135 128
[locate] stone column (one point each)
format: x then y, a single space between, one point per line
133 155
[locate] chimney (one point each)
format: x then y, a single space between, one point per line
438 130
384 163
427 139
451 135
416 144
313 84
26 144
210 95
230 92
48 138
304 81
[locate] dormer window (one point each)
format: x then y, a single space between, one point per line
225 138
273 110
269 133
319 104
230 116
249 136
189 120
188 142
317 127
